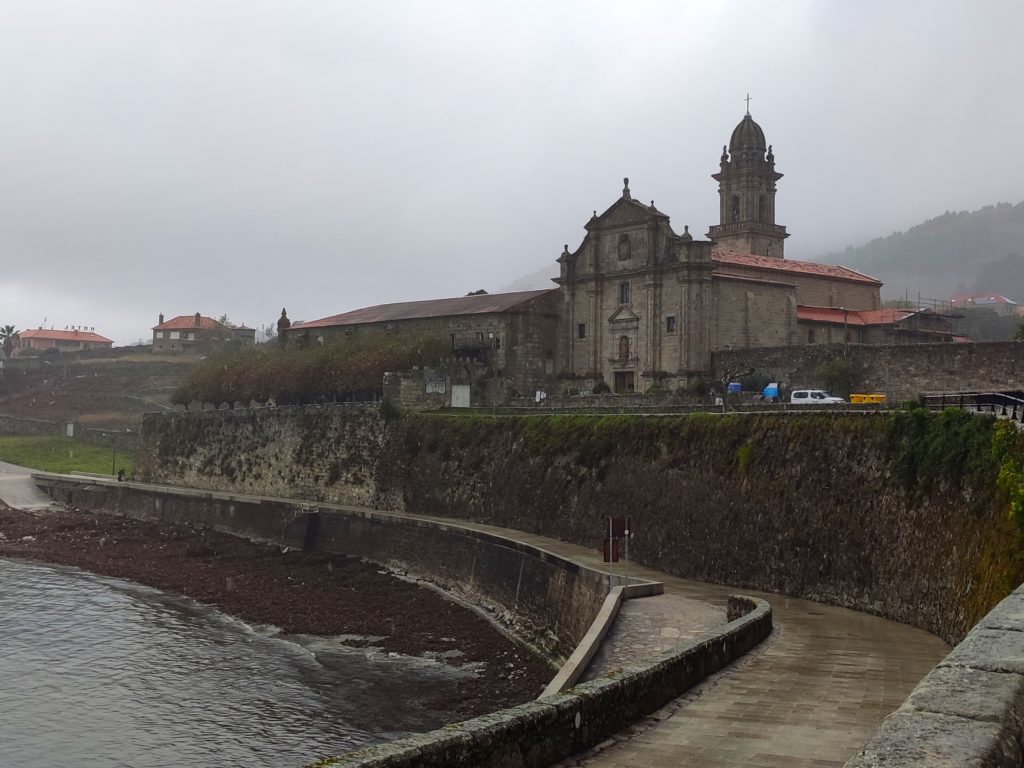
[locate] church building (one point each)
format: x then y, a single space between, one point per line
641 304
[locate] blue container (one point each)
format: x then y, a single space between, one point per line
772 390
735 387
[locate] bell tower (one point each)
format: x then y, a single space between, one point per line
746 189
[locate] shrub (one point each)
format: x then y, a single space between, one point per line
343 368
601 388
837 377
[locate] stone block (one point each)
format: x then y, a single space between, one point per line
909 738
989 649
994 697
1008 615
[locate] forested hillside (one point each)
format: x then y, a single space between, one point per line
963 251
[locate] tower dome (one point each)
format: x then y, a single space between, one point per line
747 135
746 192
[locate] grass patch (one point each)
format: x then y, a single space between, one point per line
62 454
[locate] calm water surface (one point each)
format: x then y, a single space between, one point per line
98 672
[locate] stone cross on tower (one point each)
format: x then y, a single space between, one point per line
748 103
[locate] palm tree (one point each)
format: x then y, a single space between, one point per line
8 335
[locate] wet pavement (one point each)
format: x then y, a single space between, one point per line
648 626
808 697
18 490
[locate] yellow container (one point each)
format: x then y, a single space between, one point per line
867 399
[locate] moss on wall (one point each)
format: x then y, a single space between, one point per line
911 515
898 514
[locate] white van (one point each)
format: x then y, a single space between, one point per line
813 397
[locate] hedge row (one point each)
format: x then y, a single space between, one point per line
346 367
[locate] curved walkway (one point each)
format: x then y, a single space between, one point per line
17 489
810 696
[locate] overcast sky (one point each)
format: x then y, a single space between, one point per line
240 157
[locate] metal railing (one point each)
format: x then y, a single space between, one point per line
1007 405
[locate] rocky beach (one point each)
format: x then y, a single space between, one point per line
300 593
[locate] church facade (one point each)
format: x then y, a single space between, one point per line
641 304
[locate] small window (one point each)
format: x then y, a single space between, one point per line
581 331
670 324
799 395
479 335
810 335
624 293
452 337
497 342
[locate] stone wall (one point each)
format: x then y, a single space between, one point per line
315 453
804 504
550 729
752 314
900 371
543 599
14 425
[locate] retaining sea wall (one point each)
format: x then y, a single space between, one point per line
542 599
557 597
820 505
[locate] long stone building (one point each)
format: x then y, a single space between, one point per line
639 304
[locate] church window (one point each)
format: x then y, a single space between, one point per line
452 337
497 342
581 331
735 207
624 348
810 335
670 324
762 209
624 292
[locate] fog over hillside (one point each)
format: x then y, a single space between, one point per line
979 250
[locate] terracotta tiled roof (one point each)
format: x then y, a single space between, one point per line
841 316
811 268
43 333
980 299
187 322
885 316
416 310
749 279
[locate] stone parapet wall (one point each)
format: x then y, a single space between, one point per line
901 371
969 710
550 729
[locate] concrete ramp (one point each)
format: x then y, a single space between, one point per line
18 490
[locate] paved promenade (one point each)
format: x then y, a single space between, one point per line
18 490
809 697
